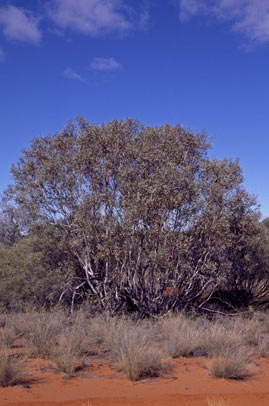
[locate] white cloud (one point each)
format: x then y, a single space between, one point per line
91 17
2 54
18 24
105 64
69 73
250 17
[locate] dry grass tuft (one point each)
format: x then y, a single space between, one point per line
103 330
72 344
21 323
217 402
67 356
180 336
3 319
249 330
43 332
135 353
11 368
233 366
71 348
132 345
217 340
186 337
8 336
263 346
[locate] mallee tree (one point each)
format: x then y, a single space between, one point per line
144 209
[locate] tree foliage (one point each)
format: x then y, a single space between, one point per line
265 222
144 209
35 270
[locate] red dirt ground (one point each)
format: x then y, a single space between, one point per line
187 383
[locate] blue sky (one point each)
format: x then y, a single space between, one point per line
202 63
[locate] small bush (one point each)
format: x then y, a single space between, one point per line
11 368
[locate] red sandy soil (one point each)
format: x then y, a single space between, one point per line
186 383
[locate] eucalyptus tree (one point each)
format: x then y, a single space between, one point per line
142 209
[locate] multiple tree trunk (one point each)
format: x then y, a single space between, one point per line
154 224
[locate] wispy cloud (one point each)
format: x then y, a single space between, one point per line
189 8
2 54
143 14
250 17
69 73
105 64
91 17
19 24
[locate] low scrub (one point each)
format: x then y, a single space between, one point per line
136 346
